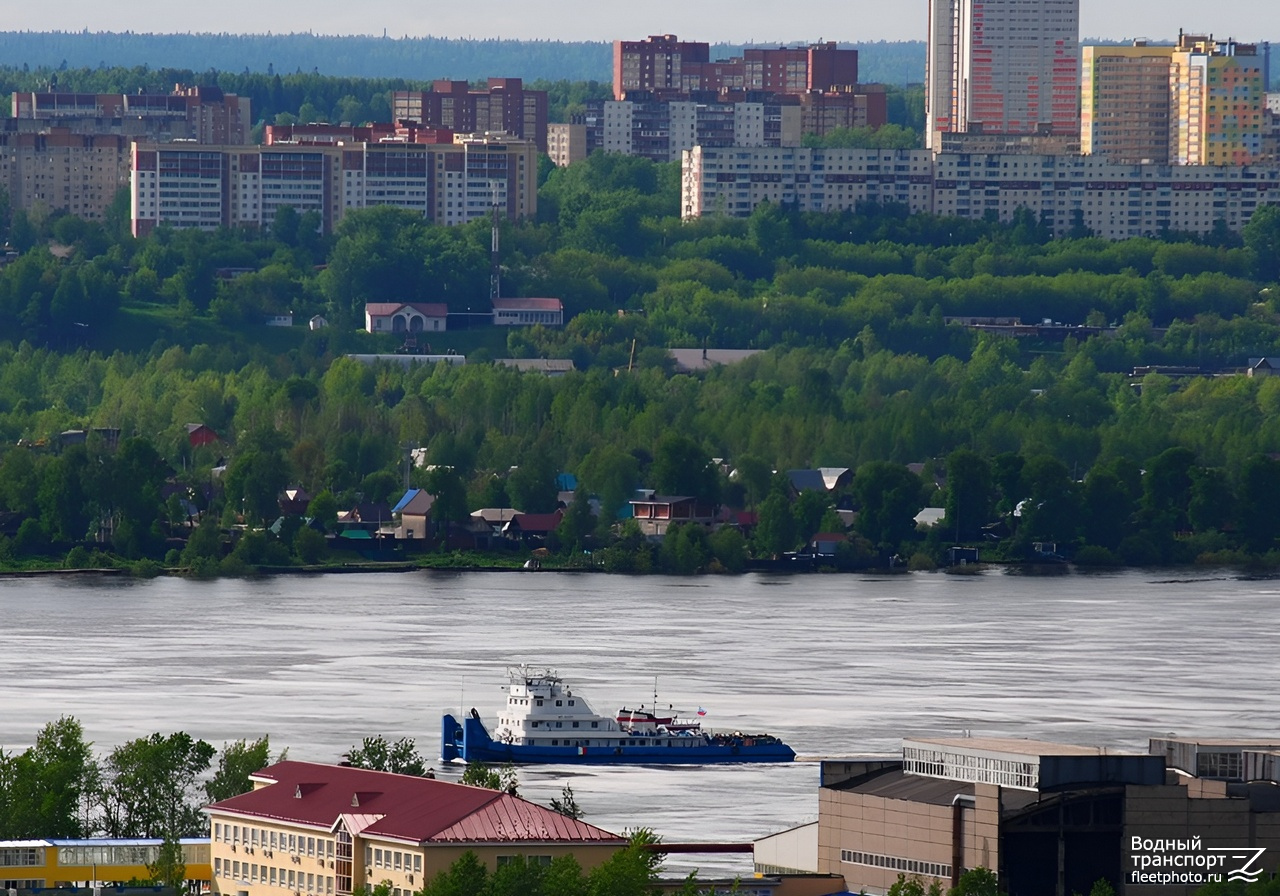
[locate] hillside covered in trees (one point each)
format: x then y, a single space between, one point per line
1024 440
394 56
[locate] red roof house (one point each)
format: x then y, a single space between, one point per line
302 816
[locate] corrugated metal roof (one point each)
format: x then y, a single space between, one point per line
406 807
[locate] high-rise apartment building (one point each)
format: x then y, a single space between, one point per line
504 106
1002 67
666 66
1217 95
1124 102
1196 102
659 62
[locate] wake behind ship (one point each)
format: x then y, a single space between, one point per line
545 722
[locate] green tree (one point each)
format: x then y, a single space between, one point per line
1262 236
776 526
889 497
970 488
149 787
914 886
47 787
681 467
237 761
401 757
324 509
169 869
477 774
450 493
566 804
467 876
976 882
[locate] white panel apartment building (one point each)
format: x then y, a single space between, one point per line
1113 200
220 186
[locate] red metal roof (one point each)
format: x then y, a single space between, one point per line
426 309
419 810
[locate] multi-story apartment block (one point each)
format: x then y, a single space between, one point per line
203 114
1196 102
218 186
662 64
567 143
1064 191
661 130
1217 95
61 170
658 62
504 106
1124 102
1002 67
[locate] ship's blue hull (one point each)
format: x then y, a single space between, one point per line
469 741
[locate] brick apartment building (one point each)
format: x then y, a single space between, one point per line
663 64
505 106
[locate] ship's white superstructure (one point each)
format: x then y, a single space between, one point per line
541 710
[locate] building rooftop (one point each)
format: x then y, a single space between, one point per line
1016 745
404 807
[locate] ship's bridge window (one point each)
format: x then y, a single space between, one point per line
571 703
559 703
559 724
539 702
595 724
575 724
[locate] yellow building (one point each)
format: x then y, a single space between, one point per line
1124 103
37 864
319 830
1218 101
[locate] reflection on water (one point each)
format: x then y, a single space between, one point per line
836 665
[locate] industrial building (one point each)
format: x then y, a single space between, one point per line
1047 818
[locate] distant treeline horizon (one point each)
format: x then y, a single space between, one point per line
369 56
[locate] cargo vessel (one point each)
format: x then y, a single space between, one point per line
544 721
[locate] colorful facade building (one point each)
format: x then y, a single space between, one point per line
45 864
1002 67
1218 97
1196 102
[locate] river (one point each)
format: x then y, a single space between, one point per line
837 665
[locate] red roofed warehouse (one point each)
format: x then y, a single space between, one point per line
325 830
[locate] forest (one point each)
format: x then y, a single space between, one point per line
368 56
1139 441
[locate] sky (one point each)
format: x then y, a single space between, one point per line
710 20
